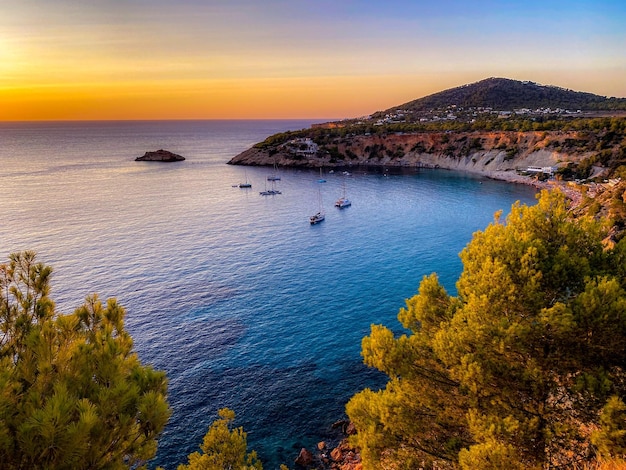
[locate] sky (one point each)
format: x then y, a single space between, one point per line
288 59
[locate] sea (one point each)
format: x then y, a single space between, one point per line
235 295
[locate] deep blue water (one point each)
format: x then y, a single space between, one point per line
235 295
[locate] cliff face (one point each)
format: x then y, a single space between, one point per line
478 152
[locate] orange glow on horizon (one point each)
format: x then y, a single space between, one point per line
259 98
317 97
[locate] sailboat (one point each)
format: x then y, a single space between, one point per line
247 184
319 215
270 192
274 176
321 180
343 201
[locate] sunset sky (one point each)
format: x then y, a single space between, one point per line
238 59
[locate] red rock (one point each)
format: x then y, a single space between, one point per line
336 454
305 458
350 429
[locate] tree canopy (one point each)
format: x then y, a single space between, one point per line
224 448
73 394
523 368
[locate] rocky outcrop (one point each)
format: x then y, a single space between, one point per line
305 458
341 455
477 152
160 156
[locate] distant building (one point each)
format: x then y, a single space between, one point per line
546 170
303 147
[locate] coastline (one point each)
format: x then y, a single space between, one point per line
572 192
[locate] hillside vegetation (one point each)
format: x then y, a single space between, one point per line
506 94
492 126
574 146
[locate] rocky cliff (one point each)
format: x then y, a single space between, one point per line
478 152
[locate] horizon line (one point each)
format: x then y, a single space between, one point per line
7 121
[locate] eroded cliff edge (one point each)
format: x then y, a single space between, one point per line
488 153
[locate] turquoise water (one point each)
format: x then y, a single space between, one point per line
235 295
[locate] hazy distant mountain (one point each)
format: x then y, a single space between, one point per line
506 94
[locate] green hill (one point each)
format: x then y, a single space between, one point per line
506 94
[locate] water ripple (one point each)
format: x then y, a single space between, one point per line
235 295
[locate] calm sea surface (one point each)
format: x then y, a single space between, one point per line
235 295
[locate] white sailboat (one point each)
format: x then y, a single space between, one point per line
319 216
343 201
270 192
274 176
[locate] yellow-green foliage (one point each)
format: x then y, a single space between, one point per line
514 371
610 439
223 448
73 394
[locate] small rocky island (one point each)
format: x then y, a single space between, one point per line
160 156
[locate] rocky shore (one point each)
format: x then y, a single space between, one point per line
501 155
327 456
478 152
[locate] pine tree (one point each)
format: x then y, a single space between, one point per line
73 394
223 448
517 367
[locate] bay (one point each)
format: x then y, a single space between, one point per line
235 295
